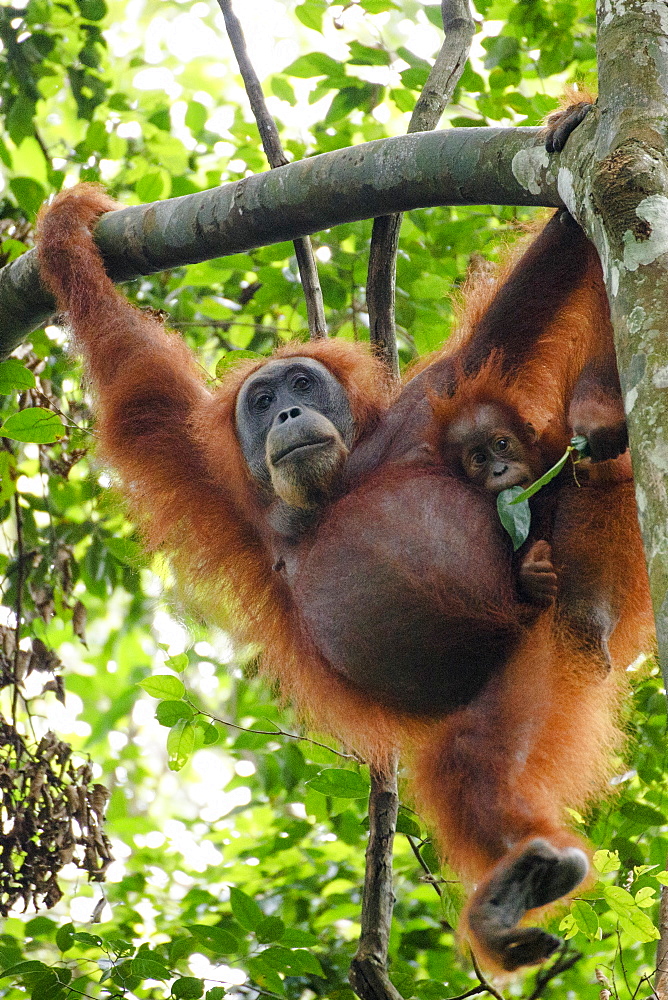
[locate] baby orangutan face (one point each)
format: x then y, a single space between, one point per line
495 447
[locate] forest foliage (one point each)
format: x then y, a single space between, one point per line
238 848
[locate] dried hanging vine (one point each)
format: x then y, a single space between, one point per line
51 810
51 815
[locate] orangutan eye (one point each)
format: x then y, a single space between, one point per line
502 444
262 401
301 383
478 459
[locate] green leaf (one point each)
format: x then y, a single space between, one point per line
606 861
642 814
632 919
265 977
365 55
23 968
65 937
94 10
126 550
149 968
88 940
515 519
430 857
40 927
168 713
180 744
296 938
196 116
245 909
163 686
34 424
216 939
280 88
188 988
270 929
403 99
310 13
340 783
152 186
7 476
292 963
177 663
211 733
45 987
232 358
567 927
585 917
14 375
407 825
28 192
378 6
215 993
314 64
544 479
645 897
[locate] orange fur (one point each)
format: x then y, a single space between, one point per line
174 448
538 736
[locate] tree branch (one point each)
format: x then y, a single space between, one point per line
468 166
271 143
565 961
368 971
459 29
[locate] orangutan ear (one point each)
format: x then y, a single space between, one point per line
531 433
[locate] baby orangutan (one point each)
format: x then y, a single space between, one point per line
495 448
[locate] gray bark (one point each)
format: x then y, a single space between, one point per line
661 978
368 970
469 166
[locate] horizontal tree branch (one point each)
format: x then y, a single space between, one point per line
465 166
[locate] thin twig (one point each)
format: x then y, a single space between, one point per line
272 732
308 269
564 961
483 981
368 971
423 864
620 952
225 324
18 607
476 991
459 28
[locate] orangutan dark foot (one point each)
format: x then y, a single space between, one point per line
562 123
536 877
522 946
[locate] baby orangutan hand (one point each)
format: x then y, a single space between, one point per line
537 578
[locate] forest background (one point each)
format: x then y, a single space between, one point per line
238 848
